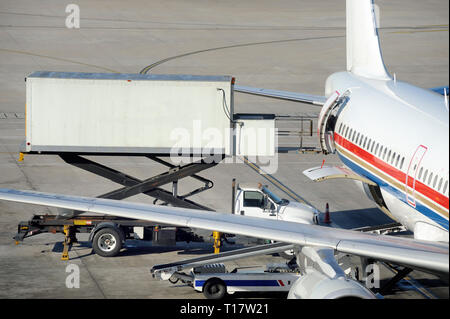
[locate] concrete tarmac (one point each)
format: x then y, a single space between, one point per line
286 45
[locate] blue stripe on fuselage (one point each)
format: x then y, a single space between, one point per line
399 194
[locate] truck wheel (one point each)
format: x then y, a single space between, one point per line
214 289
107 242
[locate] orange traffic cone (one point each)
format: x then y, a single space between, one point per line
327 219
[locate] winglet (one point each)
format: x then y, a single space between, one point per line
364 57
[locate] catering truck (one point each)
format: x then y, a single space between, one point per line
186 123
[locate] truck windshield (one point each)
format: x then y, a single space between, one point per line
275 198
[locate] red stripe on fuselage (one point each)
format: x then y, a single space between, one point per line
392 171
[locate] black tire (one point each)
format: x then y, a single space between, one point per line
107 242
215 289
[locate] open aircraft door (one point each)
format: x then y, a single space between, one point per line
327 121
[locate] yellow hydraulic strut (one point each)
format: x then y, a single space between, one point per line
217 241
69 239
65 254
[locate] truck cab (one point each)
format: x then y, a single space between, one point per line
256 200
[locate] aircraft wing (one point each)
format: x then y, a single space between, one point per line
283 95
403 251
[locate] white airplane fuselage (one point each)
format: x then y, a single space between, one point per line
396 135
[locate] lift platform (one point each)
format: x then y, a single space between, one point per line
72 222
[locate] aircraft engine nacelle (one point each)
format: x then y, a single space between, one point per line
315 285
374 194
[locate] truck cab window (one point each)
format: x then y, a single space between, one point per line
253 199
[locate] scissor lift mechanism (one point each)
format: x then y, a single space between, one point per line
131 186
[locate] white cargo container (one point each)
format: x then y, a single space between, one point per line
127 113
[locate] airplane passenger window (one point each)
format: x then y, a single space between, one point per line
398 160
381 151
340 127
440 184
420 173
376 149
384 153
425 176
373 145
357 139
430 179
445 187
346 132
393 158
353 136
365 141
435 181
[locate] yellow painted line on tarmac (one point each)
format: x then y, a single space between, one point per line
423 290
413 283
